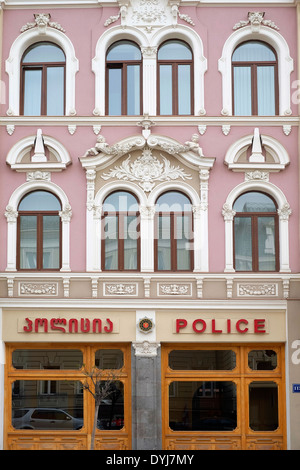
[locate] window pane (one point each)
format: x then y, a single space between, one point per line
47 404
51 242
164 243
120 201
130 242
254 202
32 92
262 359
43 53
165 89
263 406
115 91
174 50
266 91
242 91
202 360
111 242
111 410
243 243
184 89
183 237
202 406
109 359
55 91
123 51
133 90
253 51
28 242
266 244
173 201
47 359
39 201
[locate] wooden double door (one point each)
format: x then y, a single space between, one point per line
223 397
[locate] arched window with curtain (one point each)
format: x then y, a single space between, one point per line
255 80
175 78
39 232
123 79
43 80
174 233
120 232
256 238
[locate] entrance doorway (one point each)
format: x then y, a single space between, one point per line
223 397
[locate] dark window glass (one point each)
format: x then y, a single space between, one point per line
202 360
175 68
109 359
47 359
255 233
123 63
263 406
255 80
202 406
120 232
262 359
43 80
47 405
111 410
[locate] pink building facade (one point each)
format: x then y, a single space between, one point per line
150 221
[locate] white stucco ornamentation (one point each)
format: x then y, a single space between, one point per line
255 19
41 21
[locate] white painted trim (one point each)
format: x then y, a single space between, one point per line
19 46
12 224
285 65
2 390
272 190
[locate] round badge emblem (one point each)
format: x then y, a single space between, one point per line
145 325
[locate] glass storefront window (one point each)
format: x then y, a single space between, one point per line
111 410
49 359
263 406
47 404
202 406
109 359
264 359
202 360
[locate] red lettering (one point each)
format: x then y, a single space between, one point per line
258 324
74 322
238 326
180 324
41 321
228 326
213 327
59 321
28 328
97 322
195 326
85 325
108 329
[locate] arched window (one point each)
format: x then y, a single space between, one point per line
120 232
256 244
43 80
175 78
39 232
255 80
174 233
123 79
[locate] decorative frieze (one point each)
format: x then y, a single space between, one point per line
120 289
42 21
255 20
174 289
38 288
257 289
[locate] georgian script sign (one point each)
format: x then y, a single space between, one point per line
72 325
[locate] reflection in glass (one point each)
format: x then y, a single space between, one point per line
28 242
243 243
263 406
254 202
184 89
164 243
133 90
51 242
109 359
111 410
242 91
32 92
115 91
55 91
202 406
174 50
44 52
39 201
264 359
111 242
47 405
266 244
47 359
165 89
202 360
265 91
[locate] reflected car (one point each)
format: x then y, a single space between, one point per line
45 418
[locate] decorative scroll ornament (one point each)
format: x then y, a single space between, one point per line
146 170
42 20
255 19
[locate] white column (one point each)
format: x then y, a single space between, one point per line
149 80
228 215
65 216
11 216
90 229
203 262
284 213
147 238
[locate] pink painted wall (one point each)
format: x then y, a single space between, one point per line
84 27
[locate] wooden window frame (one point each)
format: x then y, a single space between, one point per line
43 67
39 240
122 65
253 66
175 64
173 216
